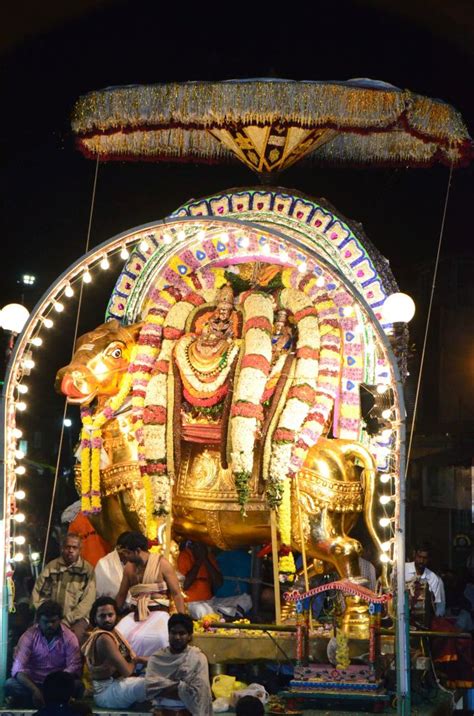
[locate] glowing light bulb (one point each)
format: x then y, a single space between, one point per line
48 323
86 276
22 388
384 521
20 494
244 242
19 454
266 249
348 311
225 237
201 235
181 235
37 341
104 264
283 256
35 556
381 388
124 253
143 246
385 477
386 546
17 433
59 307
303 267
167 239
19 540
384 558
386 434
20 469
385 499
21 405
386 414
29 365
19 517
69 291
67 422
18 557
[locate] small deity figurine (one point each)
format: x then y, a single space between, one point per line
282 335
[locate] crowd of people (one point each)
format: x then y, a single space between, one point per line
108 629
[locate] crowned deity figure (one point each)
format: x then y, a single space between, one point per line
205 361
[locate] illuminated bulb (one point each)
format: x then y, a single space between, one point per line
20 469
67 422
21 405
37 341
283 256
124 254
48 323
385 477
266 249
167 239
385 499
22 388
201 235
224 238
386 434
303 267
19 517
69 291
143 246
384 558
386 414
384 521
19 540
17 433
386 546
181 235
35 556
381 389
19 454
29 365
244 242
348 311
18 557
86 277
320 281
20 494
104 264
59 307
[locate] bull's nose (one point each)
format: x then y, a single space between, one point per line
69 386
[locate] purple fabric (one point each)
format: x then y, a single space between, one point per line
37 658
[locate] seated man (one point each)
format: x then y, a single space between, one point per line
201 577
69 580
45 647
109 571
149 577
112 662
418 571
180 673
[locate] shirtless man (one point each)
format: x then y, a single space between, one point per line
149 577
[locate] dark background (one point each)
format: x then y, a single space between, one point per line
53 52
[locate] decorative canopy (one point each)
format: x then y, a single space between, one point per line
271 124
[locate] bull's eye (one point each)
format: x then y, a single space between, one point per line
116 353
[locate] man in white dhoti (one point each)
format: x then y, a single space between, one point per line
149 578
109 571
180 673
112 662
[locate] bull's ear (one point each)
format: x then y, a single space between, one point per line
134 329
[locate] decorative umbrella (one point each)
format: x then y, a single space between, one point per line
271 124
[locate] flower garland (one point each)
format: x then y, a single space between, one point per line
247 411
155 414
91 442
286 562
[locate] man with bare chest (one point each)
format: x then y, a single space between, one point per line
151 580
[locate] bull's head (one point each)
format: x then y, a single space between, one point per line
100 360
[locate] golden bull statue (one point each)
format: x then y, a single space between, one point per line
334 485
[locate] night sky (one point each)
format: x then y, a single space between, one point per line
46 184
